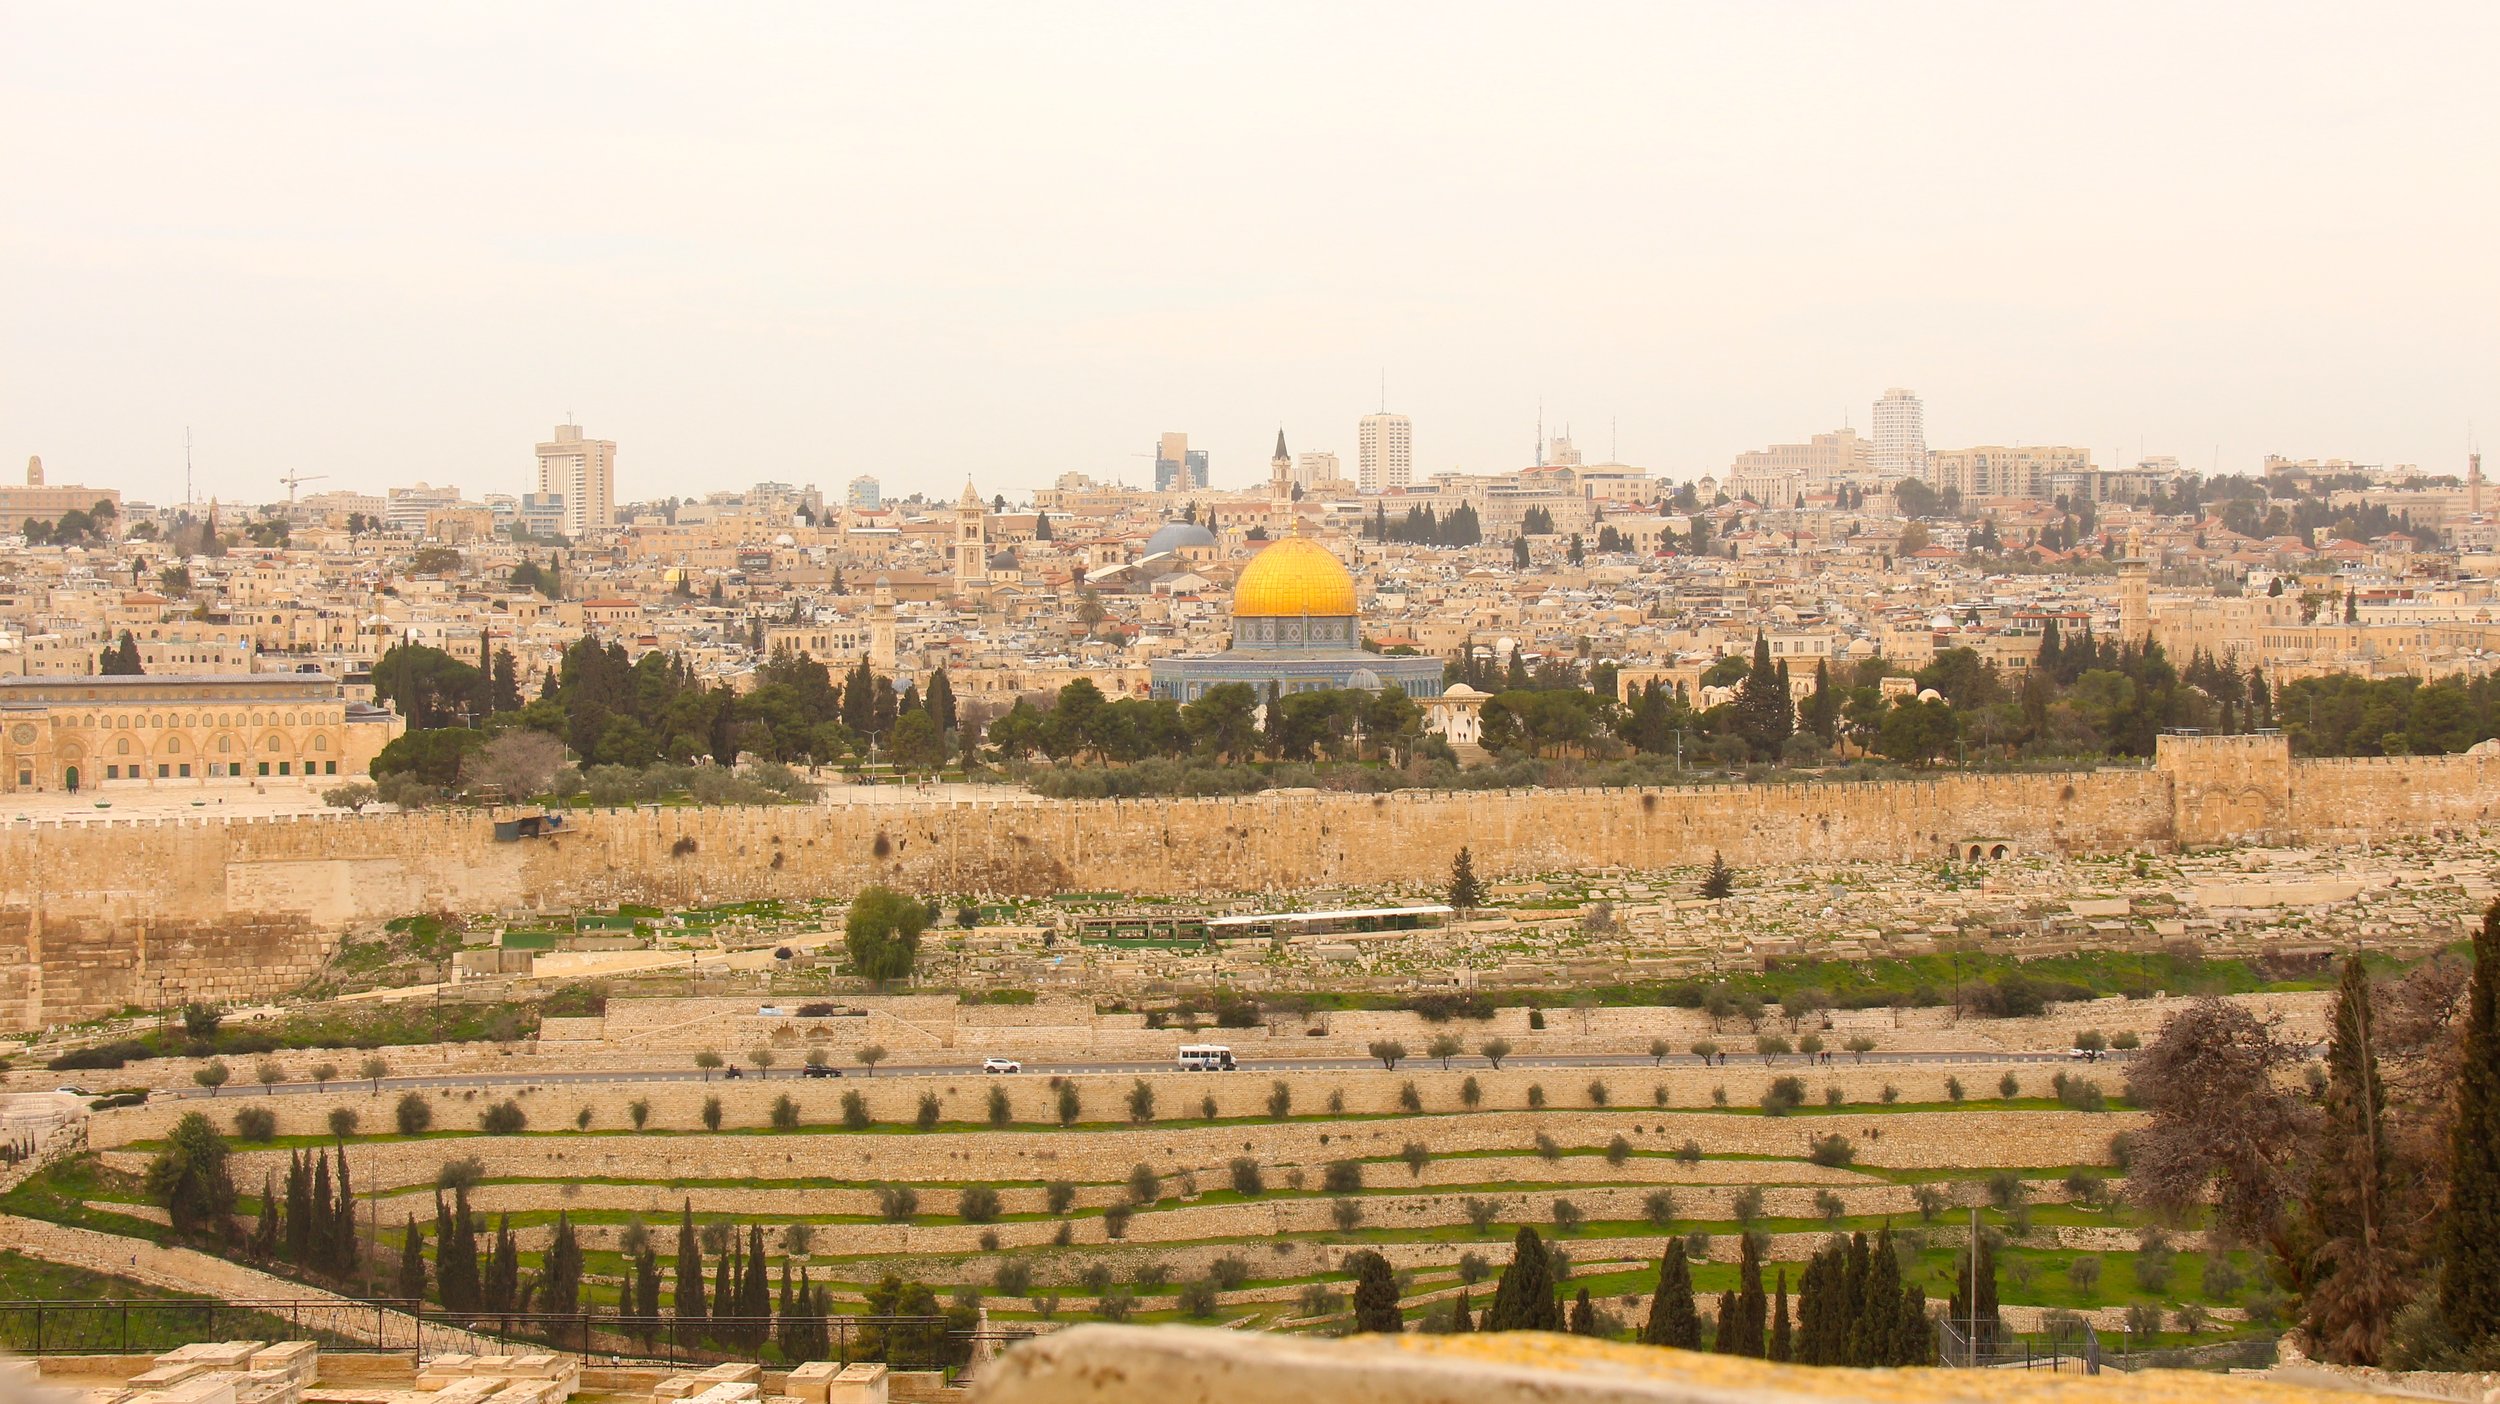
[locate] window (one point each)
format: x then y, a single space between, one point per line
286 767
321 743
186 770
163 770
329 767
121 746
264 767
112 772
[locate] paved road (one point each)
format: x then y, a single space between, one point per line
1037 1069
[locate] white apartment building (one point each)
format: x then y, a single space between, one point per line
408 507
1900 427
1317 470
1839 456
866 494
1385 453
584 472
1994 470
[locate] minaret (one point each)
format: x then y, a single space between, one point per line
881 628
2473 483
2135 622
972 557
34 470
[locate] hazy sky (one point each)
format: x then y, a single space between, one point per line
925 241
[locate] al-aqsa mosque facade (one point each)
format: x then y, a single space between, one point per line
1295 625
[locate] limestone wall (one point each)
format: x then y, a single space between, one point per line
93 913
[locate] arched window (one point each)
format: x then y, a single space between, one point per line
275 745
225 745
321 743
121 746
173 744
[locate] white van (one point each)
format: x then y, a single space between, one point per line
1206 1057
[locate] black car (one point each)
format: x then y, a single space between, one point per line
821 1070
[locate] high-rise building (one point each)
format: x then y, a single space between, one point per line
1178 467
1837 457
584 472
1385 452
1316 470
866 495
1900 436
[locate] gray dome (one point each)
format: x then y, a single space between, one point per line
1174 536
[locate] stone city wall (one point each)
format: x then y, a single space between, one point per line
115 883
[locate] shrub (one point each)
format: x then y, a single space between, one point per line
1409 1098
2080 1094
1547 1148
897 1203
1279 1099
711 1113
1196 1299
1246 1177
1001 1113
504 1118
459 1173
926 1118
1470 1092
2009 1087
1566 1216
255 1124
1784 1095
977 1204
1929 1201
1597 1092
2126 1040
1618 1150
1481 1212
1688 1153
1060 1195
1829 1206
2084 1272
1747 1206
1890 1094
1336 1101
1953 1089
2221 1280
785 1113
1346 1213
1014 1278
2006 1189
639 1111
1536 1094
1342 1177
1472 1268
1416 1155
1115 1221
1206 1107
1658 1207
414 1114
854 1110
343 1122
1144 1186
1068 1105
1141 1102
1230 1272
1833 1151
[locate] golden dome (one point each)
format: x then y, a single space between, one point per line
1292 578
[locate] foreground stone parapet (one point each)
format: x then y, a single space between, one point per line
1184 1365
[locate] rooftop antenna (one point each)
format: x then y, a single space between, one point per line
1540 431
188 496
1384 389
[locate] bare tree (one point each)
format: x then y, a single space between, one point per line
2224 1123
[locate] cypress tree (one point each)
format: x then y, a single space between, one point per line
1814 1309
1877 1328
562 1270
1973 1306
342 1235
1724 1332
299 1219
412 1262
1462 1320
1375 1296
756 1300
690 1309
320 1228
1524 1299
1583 1315
1848 1333
647 1295
455 1254
2354 1282
1783 1345
265 1232
727 1281
788 1325
2468 1300
1914 1339
503 1271
1751 1309
1673 1321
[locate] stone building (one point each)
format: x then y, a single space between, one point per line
82 734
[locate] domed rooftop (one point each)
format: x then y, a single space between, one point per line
1175 536
1293 578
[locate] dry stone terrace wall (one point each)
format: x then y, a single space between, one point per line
1909 1139
964 1100
263 896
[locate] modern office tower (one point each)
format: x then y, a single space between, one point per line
584 472
1178 467
1900 440
1385 452
1316 470
866 495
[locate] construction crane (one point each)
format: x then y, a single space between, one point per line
292 479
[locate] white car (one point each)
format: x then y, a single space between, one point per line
68 1090
1001 1065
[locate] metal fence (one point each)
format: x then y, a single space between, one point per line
2070 1351
114 1326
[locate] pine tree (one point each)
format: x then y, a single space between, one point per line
1583 1315
411 1284
691 1314
1524 1299
1720 881
1466 894
1376 1296
2468 1301
1783 1345
1673 1321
